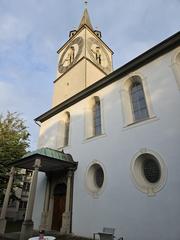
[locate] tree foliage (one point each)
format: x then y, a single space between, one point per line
14 141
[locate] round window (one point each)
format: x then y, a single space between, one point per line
95 178
151 170
99 176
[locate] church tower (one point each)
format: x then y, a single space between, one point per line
82 60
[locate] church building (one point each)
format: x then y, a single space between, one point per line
109 148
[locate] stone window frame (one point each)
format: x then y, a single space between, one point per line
141 183
67 120
89 117
176 66
61 141
127 112
133 100
96 111
93 190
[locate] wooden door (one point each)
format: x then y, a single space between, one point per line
58 210
59 206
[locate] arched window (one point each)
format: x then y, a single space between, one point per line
66 128
138 101
178 58
176 66
96 116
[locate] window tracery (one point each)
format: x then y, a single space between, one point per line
96 116
135 100
138 101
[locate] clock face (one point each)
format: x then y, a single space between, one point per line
98 54
71 54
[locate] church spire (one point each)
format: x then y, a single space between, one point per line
86 19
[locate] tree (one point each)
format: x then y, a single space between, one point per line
14 141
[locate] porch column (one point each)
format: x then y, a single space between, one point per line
44 215
66 220
27 226
6 201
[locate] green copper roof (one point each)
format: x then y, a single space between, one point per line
51 153
51 161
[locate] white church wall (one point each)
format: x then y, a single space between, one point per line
48 133
120 205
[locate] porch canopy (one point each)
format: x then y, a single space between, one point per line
51 160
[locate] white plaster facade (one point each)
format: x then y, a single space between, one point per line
134 214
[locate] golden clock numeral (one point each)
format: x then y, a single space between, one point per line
72 56
98 54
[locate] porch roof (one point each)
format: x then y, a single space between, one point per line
51 160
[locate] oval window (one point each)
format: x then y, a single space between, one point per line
95 178
151 170
99 176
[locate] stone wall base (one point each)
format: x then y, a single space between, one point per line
2 225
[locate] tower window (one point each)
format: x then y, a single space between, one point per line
72 33
138 101
98 33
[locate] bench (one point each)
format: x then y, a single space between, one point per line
106 234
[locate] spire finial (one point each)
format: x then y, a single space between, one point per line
86 3
85 18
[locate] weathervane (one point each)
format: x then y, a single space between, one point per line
86 3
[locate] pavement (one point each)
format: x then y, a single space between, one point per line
15 236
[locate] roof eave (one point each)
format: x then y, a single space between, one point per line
148 56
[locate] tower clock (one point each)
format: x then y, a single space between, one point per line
70 55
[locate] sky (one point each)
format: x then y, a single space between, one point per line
31 32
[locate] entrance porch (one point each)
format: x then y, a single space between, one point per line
57 206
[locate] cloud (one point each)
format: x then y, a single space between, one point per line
32 31
12 32
6 94
12 29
